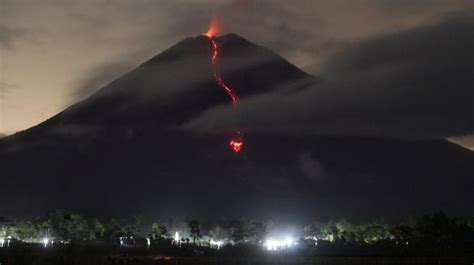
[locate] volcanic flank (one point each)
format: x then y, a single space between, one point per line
120 151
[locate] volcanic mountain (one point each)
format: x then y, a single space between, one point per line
122 151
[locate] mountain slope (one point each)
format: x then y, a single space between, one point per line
178 83
119 151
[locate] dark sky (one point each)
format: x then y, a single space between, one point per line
390 63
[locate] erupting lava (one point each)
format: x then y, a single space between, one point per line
213 27
237 142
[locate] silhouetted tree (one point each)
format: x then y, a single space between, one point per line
194 229
437 228
219 233
113 230
27 230
402 232
155 230
158 230
237 231
257 231
131 228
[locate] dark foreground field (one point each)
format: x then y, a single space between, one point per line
101 255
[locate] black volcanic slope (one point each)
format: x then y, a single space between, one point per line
118 151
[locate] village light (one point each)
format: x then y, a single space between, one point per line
270 244
315 239
2 241
278 244
45 241
216 243
288 241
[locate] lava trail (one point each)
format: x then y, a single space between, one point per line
217 76
237 141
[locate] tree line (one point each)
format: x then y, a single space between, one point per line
436 228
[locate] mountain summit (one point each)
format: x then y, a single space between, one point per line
118 151
178 83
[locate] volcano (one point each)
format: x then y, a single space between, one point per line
121 151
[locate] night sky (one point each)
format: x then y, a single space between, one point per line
340 100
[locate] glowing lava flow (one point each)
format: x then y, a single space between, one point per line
237 142
217 76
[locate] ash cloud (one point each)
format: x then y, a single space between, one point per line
416 83
312 168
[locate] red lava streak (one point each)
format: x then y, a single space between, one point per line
217 76
237 142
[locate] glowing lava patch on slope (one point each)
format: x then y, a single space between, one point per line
237 142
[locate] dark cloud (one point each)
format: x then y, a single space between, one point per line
312 168
415 83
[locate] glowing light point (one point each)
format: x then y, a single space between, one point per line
45 241
216 243
275 244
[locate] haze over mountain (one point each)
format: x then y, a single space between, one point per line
129 148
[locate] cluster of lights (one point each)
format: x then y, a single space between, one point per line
46 242
315 239
276 244
271 244
4 240
124 238
216 243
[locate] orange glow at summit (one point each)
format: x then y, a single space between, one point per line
214 27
